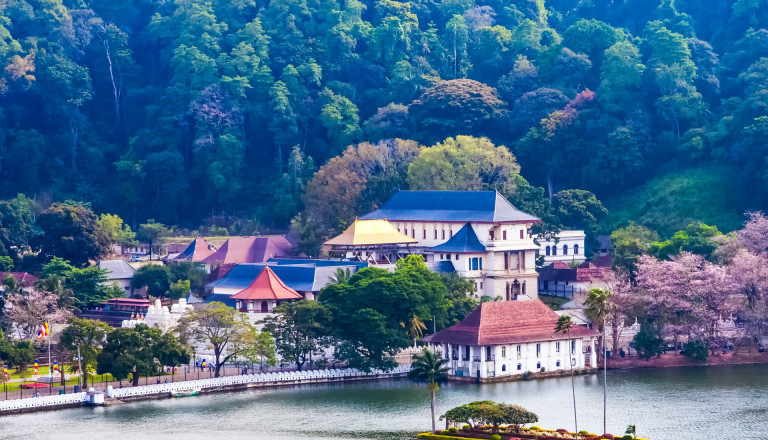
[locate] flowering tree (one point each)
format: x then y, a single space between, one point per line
27 310
754 235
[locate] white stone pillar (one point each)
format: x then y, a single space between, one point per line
592 353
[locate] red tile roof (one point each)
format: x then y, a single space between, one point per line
250 250
267 286
507 322
23 278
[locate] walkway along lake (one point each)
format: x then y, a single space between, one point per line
724 402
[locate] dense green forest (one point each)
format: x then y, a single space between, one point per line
179 110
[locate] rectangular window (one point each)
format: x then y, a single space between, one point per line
490 235
457 257
538 350
573 346
557 347
506 261
413 232
435 233
443 234
481 263
481 284
474 265
504 352
504 234
425 234
522 234
518 351
450 231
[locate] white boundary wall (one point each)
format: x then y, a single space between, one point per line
264 378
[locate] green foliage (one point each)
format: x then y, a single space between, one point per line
486 412
670 203
6 263
116 230
152 233
697 350
86 335
88 284
155 278
648 341
630 243
579 209
72 232
696 238
301 329
371 313
140 351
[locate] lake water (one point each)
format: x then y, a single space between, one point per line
728 402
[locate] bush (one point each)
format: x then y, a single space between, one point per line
562 431
465 427
534 428
445 431
697 350
543 369
627 437
608 436
453 430
495 437
527 375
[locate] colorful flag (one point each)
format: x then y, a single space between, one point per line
43 332
55 366
5 370
35 367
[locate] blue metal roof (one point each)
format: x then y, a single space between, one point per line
226 299
450 206
306 277
443 266
463 242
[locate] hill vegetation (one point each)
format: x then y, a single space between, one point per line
179 110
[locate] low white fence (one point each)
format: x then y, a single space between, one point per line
36 402
265 378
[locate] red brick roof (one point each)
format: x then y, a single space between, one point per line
23 278
267 286
507 322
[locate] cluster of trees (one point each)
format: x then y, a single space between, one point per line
687 287
486 412
369 316
173 110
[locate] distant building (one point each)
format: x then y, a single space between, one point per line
306 277
265 293
568 249
509 338
239 250
118 272
560 279
375 241
604 245
195 252
485 238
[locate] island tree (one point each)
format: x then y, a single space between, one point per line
301 330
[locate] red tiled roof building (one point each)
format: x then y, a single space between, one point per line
266 292
508 338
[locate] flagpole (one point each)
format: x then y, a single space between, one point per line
50 366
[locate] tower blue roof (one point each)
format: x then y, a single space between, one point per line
450 206
465 241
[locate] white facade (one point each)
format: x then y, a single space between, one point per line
568 249
158 316
495 361
507 269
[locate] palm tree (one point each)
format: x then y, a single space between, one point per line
429 367
341 276
564 325
597 307
631 429
55 284
414 327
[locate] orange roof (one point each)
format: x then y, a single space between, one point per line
267 286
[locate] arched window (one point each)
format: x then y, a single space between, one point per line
503 367
576 249
565 249
548 251
554 250
519 366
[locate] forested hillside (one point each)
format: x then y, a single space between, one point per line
175 110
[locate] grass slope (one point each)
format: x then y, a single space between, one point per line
667 204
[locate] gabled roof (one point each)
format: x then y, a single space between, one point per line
197 251
24 279
370 233
463 242
117 269
507 322
450 206
250 250
267 286
299 277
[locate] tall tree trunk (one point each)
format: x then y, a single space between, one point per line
432 405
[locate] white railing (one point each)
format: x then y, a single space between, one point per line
36 402
263 378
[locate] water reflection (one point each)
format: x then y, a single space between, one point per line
681 404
